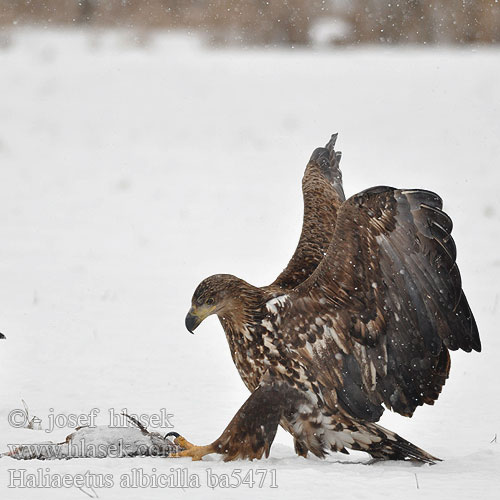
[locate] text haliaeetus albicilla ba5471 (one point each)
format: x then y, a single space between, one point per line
363 317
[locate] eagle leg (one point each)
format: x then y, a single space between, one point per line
251 432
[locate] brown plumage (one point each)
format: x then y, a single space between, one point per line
361 319
323 194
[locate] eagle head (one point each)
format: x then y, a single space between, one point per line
221 294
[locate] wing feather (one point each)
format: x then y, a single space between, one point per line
323 194
390 290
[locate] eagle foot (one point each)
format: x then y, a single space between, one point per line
190 450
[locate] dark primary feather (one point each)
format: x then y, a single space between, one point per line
323 194
390 303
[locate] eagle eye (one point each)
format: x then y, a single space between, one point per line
210 301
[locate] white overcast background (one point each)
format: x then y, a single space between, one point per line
130 173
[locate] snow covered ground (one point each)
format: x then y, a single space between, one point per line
130 170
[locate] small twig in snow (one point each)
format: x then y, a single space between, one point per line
416 480
86 493
33 421
494 440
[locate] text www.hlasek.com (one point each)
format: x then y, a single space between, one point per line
179 477
68 449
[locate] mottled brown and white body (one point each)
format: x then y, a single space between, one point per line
362 318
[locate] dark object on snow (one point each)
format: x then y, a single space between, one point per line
101 442
362 318
2 336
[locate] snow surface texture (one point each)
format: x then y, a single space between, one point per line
130 172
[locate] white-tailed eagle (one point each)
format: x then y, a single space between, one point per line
362 318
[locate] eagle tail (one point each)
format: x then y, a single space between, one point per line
319 434
394 447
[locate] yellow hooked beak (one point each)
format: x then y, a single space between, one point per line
196 315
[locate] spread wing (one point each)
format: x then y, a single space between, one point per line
377 317
323 195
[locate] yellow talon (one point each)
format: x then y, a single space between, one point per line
183 443
190 450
